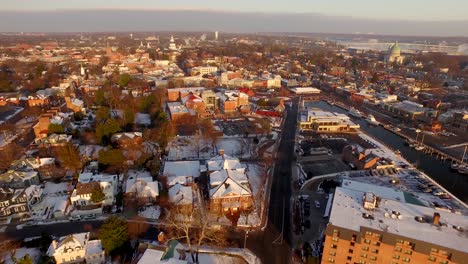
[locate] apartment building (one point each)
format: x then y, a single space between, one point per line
366 228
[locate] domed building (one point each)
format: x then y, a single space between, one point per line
394 54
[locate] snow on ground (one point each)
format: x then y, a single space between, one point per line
143 119
150 212
255 173
56 189
34 253
235 147
90 151
218 259
186 148
251 220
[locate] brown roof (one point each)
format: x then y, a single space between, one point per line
86 188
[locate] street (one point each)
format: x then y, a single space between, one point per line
273 245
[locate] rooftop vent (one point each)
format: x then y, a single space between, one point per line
367 216
458 228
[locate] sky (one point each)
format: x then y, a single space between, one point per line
382 9
395 17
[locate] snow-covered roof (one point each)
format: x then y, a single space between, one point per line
381 191
180 195
70 241
15 176
398 218
151 256
230 188
224 162
144 188
182 168
219 177
94 247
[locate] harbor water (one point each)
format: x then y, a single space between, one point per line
438 170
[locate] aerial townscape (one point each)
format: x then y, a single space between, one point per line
215 146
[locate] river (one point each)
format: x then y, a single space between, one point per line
438 170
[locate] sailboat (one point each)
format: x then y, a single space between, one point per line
463 169
420 146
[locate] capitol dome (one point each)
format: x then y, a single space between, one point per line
394 50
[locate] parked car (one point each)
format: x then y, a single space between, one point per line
317 204
75 218
88 217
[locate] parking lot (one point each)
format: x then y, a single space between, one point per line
309 223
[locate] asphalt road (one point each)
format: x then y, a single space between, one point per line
273 245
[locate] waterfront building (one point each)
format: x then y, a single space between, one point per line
369 227
322 122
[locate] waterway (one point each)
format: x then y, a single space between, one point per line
438 170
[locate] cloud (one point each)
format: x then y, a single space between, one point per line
103 20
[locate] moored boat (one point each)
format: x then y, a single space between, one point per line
371 120
354 112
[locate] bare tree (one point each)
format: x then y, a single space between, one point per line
191 227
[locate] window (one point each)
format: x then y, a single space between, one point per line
368 233
376 243
444 262
367 241
333 246
351 244
432 258
332 253
398 249
394 262
350 251
373 257
399 241
408 252
331 260
406 259
335 239
365 248
349 258
375 251
364 255
396 256
435 250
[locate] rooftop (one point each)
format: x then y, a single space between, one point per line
399 218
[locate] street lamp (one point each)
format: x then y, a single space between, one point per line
245 237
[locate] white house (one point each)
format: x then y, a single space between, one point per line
76 248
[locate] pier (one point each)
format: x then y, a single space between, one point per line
440 155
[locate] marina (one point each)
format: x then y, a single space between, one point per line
436 165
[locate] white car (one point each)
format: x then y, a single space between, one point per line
317 204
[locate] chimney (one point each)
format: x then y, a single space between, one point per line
221 152
436 219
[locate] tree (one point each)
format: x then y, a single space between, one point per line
128 118
99 97
97 195
55 129
112 157
194 230
113 234
209 132
106 130
69 157
102 114
25 260
124 79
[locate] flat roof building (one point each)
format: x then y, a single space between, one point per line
364 227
